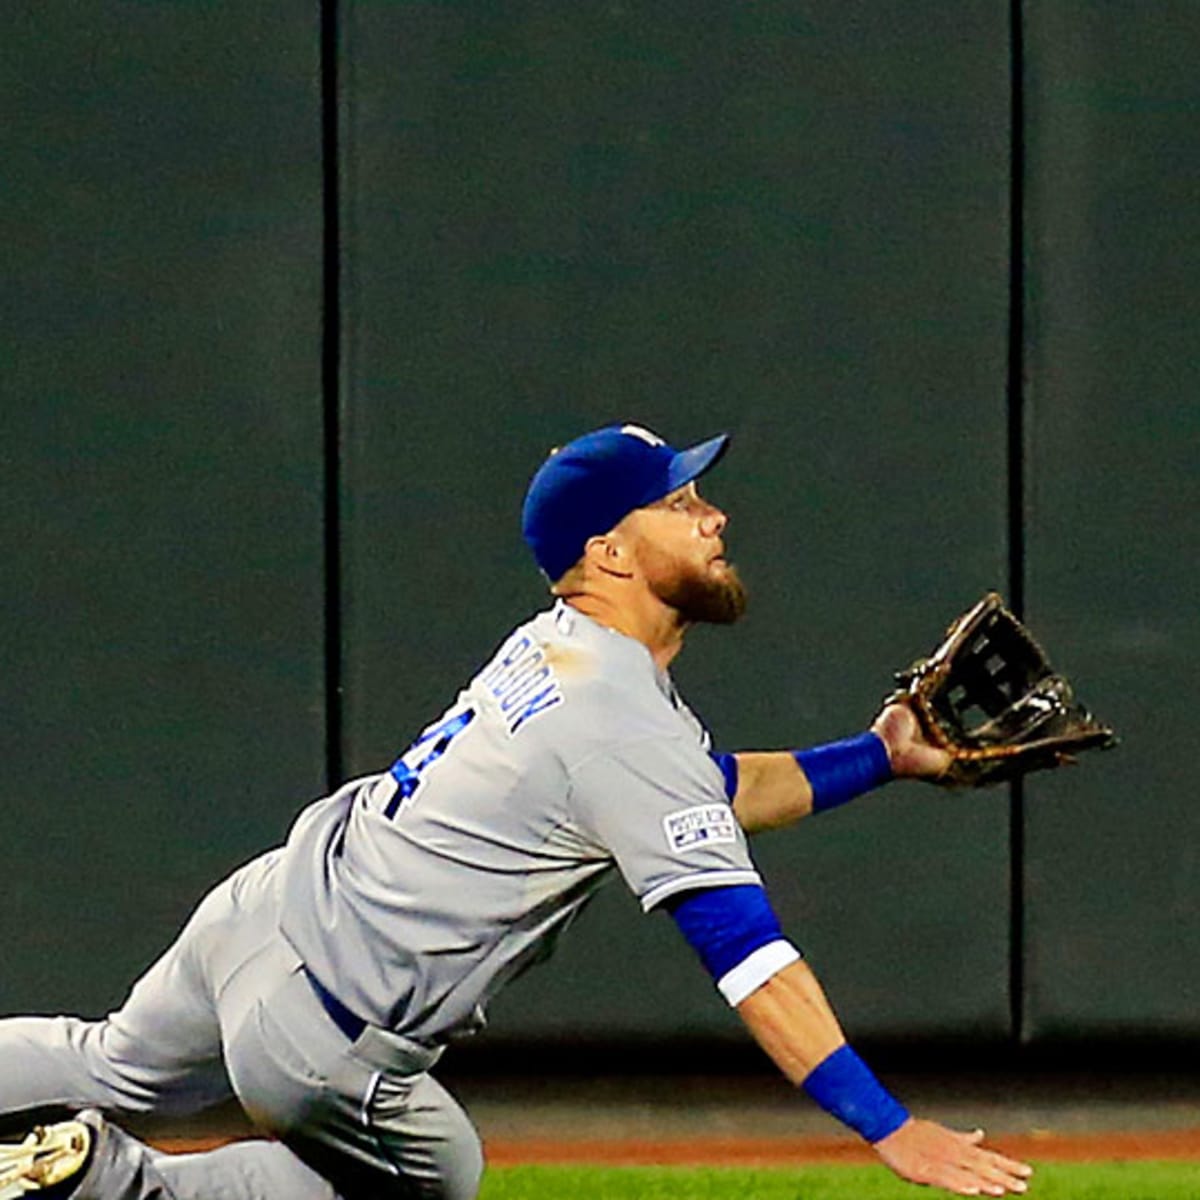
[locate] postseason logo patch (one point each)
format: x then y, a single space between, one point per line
704 825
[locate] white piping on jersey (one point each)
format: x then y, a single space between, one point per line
755 969
699 879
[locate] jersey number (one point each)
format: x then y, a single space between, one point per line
409 768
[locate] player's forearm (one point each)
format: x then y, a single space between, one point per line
772 790
777 788
792 1021
759 972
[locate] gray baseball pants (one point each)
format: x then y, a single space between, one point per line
228 1010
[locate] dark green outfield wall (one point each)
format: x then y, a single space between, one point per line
161 437
792 221
1113 299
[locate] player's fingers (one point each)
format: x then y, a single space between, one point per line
998 1175
993 1184
978 1171
985 1156
959 1180
1008 1166
965 1181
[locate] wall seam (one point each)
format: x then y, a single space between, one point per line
1016 497
331 370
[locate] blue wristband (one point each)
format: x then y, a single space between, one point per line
839 771
844 1087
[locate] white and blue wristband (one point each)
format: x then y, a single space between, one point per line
735 932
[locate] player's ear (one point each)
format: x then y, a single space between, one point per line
610 553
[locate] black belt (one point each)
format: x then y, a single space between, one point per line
351 1025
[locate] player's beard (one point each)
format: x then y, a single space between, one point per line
702 598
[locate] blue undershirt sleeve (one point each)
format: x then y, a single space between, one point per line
736 934
729 769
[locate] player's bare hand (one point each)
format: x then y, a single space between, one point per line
910 753
928 1153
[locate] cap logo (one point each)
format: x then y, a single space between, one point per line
638 431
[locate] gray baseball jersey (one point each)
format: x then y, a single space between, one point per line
416 894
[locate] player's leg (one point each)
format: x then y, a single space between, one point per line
161 1051
249 1170
355 1122
88 1158
424 1131
365 1114
55 1063
411 1142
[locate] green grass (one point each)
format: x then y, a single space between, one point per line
1094 1181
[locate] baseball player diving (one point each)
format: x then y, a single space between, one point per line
320 983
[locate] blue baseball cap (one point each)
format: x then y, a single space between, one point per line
589 485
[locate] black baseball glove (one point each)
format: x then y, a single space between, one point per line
989 696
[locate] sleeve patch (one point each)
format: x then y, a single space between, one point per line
699 827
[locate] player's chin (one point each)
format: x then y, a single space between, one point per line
717 597
734 595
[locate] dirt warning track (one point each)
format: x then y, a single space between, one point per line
799 1151
762 1152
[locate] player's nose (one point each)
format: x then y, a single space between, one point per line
713 522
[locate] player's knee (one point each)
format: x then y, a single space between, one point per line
114 1065
464 1175
448 1166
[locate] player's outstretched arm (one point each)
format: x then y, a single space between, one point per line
772 790
776 788
791 1019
